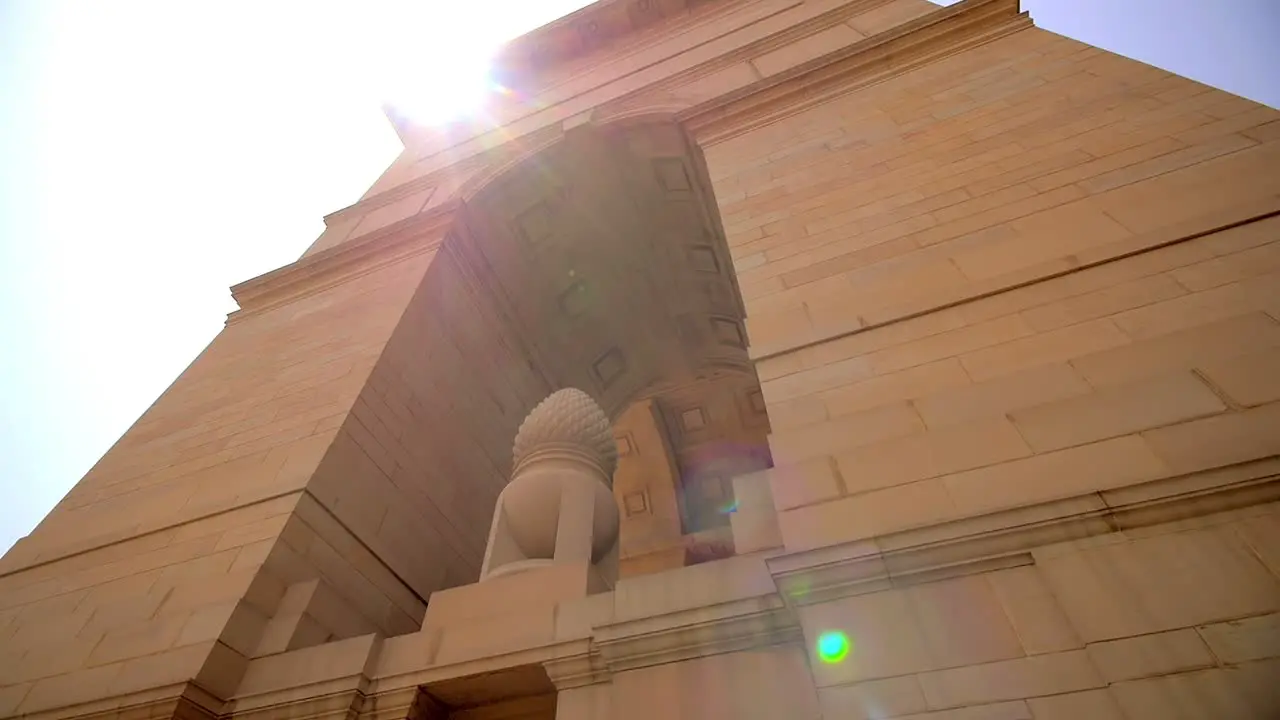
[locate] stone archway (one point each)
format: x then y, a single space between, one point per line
599 263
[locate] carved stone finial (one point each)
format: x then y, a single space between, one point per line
568 417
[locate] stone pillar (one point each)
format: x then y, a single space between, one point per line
558 508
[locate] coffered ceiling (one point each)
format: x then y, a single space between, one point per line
606 257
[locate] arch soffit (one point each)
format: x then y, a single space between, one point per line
604 249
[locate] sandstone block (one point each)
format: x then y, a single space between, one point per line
930 454
916 382
1001 395
1034 611
805 483
1011 679
1114 463
1239 641
1092 704
873 699
1160 583
1149 655
1116 410
862 428
1054 346
1242 691
1249 380
866 515
963 622
1254 332
1220 440
885 641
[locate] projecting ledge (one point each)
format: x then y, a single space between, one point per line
495 629
1006 539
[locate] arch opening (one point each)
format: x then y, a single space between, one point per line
599 263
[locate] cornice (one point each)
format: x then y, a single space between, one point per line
579 665
978 544
439 179
730 627
312 702
328 268
944 32
651 95
946 550
1006 539
938 34
664 23
184 700
367 204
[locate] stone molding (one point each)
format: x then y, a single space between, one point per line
725 628
1005 539
328 268
882 56
60 553
918 42
947 550
484 163
181 701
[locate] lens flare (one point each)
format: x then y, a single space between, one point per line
833 646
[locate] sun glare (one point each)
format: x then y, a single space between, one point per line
436 98
437 57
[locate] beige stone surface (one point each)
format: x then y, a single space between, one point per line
761 684
1034 611
1116 410
1241 691
1239 641
1093 704
1164 582
873 699
885 640
983 272
1026 677
805 483
1248 380
1149 655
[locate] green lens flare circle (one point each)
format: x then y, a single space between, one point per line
833 646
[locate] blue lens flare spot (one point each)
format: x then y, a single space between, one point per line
833 646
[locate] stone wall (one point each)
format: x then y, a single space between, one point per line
968 283
150 572
1015 310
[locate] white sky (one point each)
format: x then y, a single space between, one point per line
155 152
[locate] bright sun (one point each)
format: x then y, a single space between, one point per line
437 55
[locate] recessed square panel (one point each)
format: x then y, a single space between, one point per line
719 295
728 332
609 367
636 503
575 300
703 259
535 224
672 175
693 419
752 410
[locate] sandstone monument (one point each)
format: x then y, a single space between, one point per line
899 362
